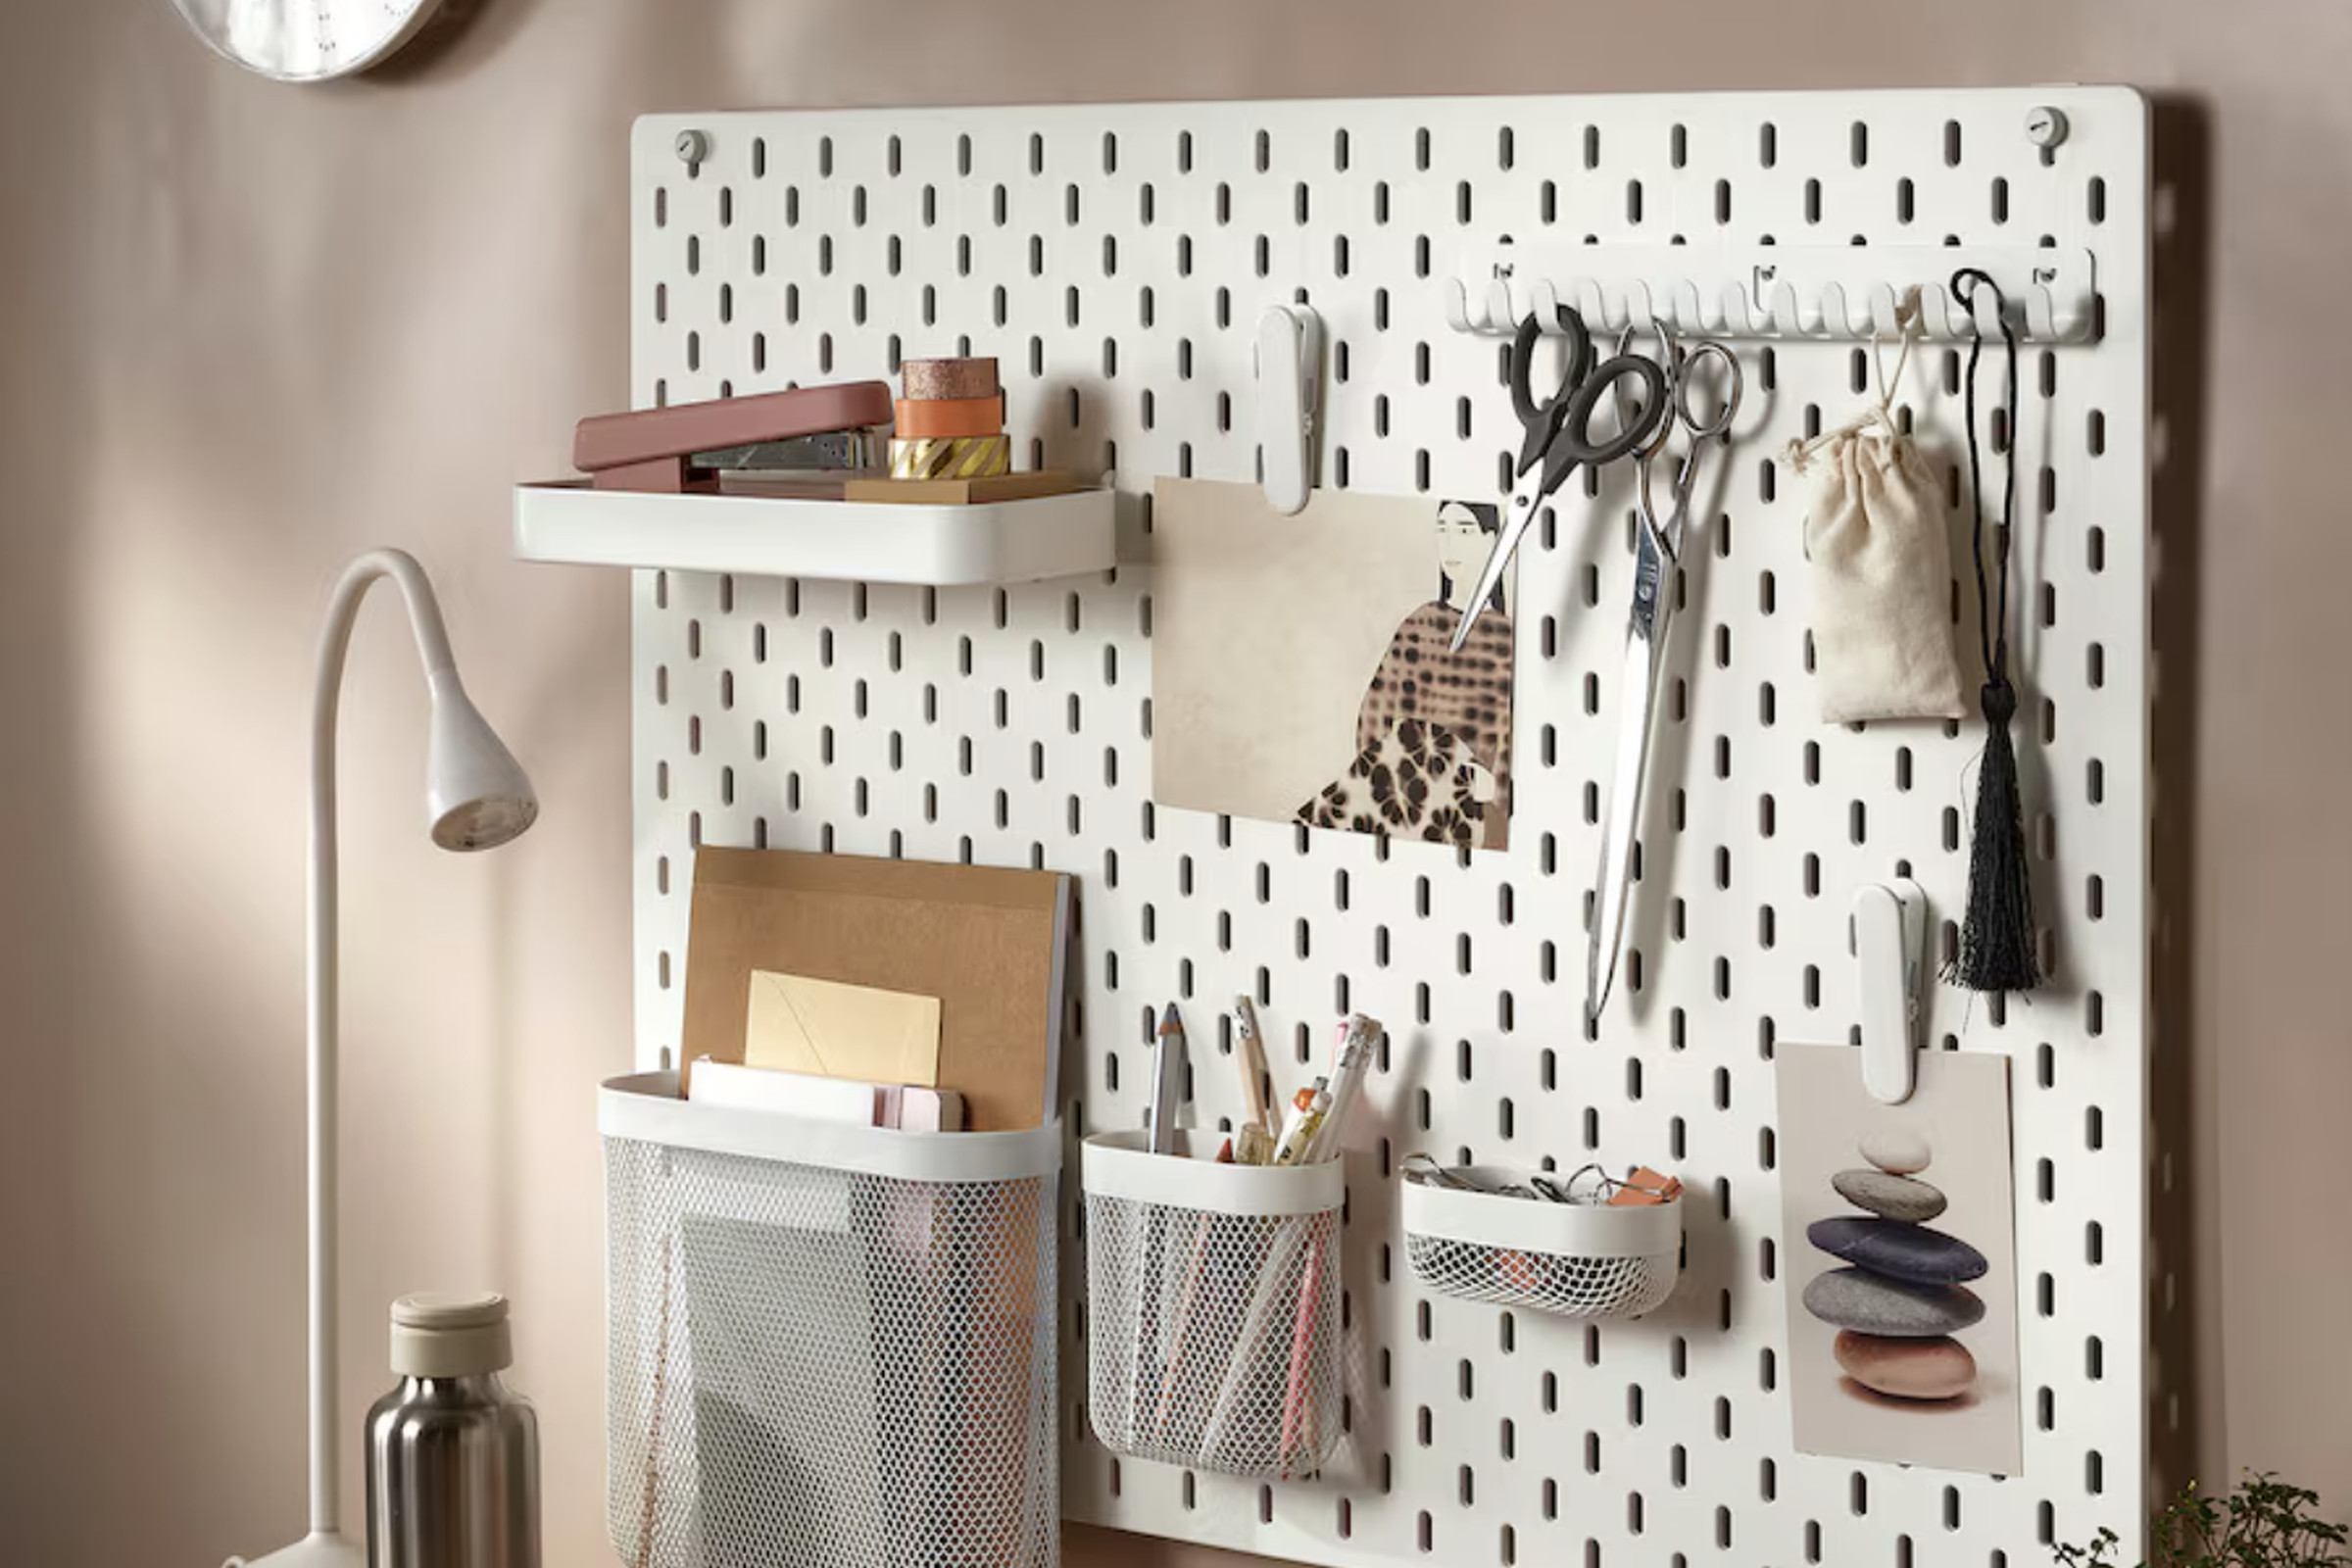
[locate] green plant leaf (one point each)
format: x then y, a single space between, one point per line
2264 1523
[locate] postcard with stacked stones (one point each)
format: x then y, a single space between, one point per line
1302 668
1899 1251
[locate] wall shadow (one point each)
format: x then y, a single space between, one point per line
2183 1291
47 925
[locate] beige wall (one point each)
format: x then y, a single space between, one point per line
245 330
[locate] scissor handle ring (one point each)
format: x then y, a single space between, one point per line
1645 512
1628 413
1721 423
1523 355
1632 435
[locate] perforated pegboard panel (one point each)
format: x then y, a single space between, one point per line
1115 258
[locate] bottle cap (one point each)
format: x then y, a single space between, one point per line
437 1335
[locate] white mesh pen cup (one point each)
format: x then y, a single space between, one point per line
1576 1260
1214 1308
828 1346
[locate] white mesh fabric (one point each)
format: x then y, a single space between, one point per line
1213 1339
1575 1287
811 1368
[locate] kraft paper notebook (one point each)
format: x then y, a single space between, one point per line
987 944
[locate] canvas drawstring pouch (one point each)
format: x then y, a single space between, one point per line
1876 536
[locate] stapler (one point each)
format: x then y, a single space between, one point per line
686 447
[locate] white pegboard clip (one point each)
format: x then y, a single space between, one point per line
1289 373
1890 931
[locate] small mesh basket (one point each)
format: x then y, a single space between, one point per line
842 1358
1213 1309
1576 1260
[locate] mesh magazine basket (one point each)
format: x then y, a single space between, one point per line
1577 1259
829 1347
1213 1309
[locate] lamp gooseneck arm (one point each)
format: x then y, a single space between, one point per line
433 644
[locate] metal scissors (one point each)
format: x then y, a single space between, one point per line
1559 435
1658 545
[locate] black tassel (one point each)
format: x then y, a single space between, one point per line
1996 939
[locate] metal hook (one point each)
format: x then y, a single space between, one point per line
1837 316
1641 308
1543 303
1788 319
1983 300
2041 315
1739 317
1592 307
1887 316
1936 317
1457 300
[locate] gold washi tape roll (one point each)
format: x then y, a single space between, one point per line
950 457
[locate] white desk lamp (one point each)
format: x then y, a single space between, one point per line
477 798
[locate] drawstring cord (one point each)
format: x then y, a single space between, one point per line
1879 418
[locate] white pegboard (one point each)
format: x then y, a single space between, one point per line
1115 258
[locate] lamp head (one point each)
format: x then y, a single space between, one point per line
477 797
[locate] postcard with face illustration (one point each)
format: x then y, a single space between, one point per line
1899 1248
1301 667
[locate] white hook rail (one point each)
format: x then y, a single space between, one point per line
1828 294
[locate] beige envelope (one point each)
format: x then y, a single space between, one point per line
841 1031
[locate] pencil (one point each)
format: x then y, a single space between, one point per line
1253 1061
1167 1082
1297 1397
1282 1240
1151 1338
1171 1367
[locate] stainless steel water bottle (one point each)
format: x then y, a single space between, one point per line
452 1458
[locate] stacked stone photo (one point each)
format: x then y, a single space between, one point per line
1902 1294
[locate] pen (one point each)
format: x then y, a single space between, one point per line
1167 1083
1359 1036
1300 1103
1253 1062
1299 1132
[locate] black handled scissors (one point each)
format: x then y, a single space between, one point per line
1560 434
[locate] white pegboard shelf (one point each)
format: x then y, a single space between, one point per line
1002 542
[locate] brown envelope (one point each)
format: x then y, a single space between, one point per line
833 1030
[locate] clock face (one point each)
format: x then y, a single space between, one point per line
306 40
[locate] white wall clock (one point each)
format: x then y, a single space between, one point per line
306 40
